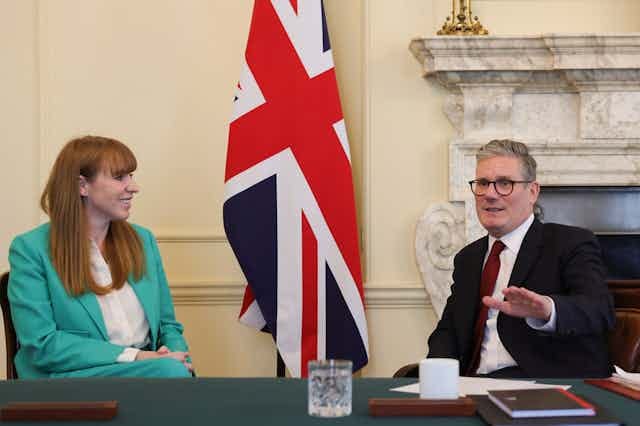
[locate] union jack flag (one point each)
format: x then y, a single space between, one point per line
289 210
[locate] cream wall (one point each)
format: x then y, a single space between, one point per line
160 75
18 125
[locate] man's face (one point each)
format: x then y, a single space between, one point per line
500 214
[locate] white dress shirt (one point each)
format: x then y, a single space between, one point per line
493 354
123 315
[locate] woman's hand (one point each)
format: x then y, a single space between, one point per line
164 352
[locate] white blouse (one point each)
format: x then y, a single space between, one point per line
122 312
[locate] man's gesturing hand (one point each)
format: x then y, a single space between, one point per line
523 303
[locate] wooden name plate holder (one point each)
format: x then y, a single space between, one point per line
421 407
80 410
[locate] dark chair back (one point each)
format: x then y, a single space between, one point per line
624 340
11 342
409 370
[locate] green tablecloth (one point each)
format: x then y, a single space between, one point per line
218 401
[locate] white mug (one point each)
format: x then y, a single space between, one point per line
439 378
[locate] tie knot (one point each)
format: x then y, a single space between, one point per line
497 248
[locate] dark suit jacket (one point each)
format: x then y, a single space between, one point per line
560 261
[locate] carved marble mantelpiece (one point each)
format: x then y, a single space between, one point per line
573 99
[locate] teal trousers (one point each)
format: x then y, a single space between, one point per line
160 367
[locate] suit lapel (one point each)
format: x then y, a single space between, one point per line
145 291
475 267
469 292
528 255
90 303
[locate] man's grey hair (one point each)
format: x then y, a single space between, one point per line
510 148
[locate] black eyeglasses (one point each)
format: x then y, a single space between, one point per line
503 187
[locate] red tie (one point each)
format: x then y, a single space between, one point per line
487 284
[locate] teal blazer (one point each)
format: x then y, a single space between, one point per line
61 334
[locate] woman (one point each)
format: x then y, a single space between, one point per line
88 292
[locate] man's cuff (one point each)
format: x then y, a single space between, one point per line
128 355
542 325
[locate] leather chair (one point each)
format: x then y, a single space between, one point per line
11 343
624 339
409 370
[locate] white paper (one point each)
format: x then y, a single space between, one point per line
630 380
631 377
480 385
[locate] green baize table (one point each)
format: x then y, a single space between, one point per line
248 401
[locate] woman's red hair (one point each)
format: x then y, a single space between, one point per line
69 242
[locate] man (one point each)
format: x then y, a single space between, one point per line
529 299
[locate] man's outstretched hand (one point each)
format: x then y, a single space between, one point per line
522 303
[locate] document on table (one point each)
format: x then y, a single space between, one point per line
480 385
631 380
625 374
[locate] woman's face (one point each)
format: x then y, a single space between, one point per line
108 197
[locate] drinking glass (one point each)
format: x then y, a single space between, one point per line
330 388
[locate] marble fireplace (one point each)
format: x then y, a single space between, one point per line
574 99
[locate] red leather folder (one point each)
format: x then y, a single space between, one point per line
615 387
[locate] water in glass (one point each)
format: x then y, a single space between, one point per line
330 388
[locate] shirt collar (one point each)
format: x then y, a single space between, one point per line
99 268
513 240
